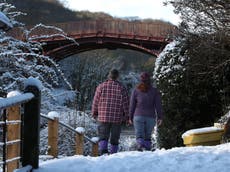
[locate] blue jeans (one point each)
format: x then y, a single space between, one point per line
143 126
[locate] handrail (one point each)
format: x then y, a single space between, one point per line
12 101
23 138
6 103
105 26
68 127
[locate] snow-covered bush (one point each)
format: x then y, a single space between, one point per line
170 64
193 74
20 59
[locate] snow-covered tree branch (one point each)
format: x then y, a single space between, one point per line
22 59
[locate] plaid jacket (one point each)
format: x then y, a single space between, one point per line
111 102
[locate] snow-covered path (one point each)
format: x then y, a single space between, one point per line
183 159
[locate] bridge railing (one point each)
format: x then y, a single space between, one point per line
107 28
118 27
20 129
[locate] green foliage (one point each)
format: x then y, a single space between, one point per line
191 95
169 74
194 74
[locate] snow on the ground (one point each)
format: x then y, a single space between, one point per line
183 159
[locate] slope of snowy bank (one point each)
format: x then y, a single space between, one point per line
183 159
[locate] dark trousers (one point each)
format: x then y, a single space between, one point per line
108 130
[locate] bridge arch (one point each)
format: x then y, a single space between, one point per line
145 37
70 49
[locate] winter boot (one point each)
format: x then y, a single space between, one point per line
103 147
113 149
147 145
140 144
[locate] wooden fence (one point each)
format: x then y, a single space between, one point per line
53 125
19 124
20 131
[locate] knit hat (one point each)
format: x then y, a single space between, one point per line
144 77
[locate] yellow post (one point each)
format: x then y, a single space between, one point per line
53 137
13 134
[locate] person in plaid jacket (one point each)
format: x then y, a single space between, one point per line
111 108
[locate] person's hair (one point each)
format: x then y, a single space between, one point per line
144 87
113 74
145 82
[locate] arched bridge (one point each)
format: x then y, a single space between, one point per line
149 38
